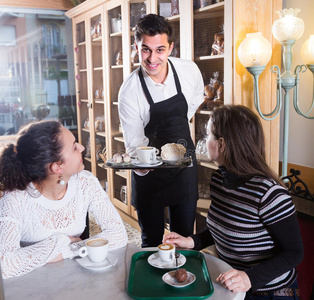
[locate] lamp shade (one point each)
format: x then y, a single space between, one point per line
254 50
288 26
307 51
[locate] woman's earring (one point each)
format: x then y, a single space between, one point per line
61 181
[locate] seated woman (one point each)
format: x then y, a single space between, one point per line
251 220
46 195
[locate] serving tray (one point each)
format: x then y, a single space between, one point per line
180 164
145 281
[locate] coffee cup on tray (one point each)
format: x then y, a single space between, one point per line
146 155
96 249
166 252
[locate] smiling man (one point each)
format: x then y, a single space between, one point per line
156 103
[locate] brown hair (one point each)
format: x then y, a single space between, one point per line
152 25
242 131
38 144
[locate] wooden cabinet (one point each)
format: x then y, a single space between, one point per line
103 33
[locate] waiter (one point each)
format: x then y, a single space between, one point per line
156 103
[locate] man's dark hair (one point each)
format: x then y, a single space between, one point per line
152 25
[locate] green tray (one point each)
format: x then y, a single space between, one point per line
145 281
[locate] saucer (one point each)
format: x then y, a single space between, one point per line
155 261
110 261
154 163
110 162
169 279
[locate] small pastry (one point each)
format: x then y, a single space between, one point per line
172 151
180 275
117 158
126 157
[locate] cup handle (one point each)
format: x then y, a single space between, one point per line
157 151
82 251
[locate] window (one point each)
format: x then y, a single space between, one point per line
36 68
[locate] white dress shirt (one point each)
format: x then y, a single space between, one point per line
134 109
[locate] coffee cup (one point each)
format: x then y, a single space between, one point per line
166 252
96 249
147 155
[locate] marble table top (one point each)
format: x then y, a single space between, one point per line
69 280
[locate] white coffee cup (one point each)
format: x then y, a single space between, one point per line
146 155
96 249
166 252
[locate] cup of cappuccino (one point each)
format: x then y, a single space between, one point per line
166 252
146 155
96 249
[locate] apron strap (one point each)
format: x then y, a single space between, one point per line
144 86
176 78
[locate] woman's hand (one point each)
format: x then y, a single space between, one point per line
235 281
56 259
74 239
178 240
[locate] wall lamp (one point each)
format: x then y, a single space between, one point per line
254 54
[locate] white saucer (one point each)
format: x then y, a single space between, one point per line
85 262
155 261
154 163
169 279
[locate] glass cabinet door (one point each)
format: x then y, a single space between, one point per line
115 44
170 9
82 91
98 88
209 56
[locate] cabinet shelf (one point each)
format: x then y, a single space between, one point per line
101 165
97 41
117 67
115 34
101 133
119 204
203 203
83 70
209 165
213 8
81 44
174 18
115 103
203 112
121 174
119 139
209 57
85 130
99 101
98 69
88 159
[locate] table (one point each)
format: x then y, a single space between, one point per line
68 280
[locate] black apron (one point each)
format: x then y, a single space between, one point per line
168 124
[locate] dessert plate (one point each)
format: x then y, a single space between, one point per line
155 261
110 261
154 163
169 279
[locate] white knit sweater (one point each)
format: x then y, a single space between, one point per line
34 230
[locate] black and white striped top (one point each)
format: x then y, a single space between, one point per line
248 222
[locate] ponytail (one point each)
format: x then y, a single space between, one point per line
12 173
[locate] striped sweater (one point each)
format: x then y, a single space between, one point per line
253 225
